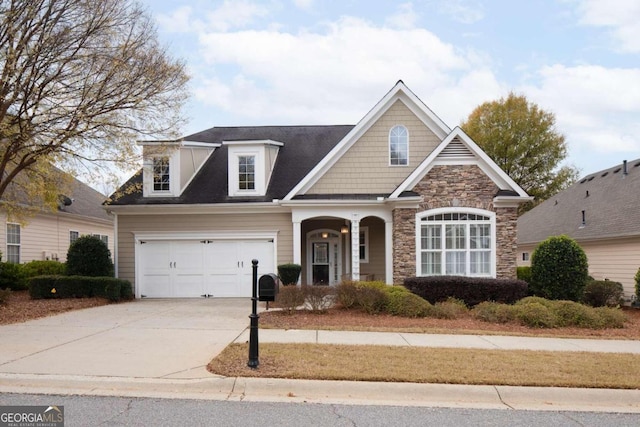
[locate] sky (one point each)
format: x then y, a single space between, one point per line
292 62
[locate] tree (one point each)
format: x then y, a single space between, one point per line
559 269
80 82
522 139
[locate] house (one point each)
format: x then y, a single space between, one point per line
601 212
47 235
397 195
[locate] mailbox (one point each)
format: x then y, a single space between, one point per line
268 287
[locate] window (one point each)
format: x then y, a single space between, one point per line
364 244
73 236
525 256
103 238
161 174
399 146
13 243
456 243
246 172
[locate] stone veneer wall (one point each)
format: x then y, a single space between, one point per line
454 186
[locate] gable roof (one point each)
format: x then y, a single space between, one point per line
304 147
459 148
85 201
609 198
399 92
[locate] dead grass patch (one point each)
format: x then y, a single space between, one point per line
433 365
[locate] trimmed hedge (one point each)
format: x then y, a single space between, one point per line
54 286
289 273
524 273
89 256
12 276
471 290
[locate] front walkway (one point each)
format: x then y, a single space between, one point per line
487 342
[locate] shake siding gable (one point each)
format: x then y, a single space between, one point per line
130 224
365 169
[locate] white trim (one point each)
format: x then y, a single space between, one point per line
255 142
334 238
364 230
18 245
488 166
418 232
388 252
115 245
398 92
197 144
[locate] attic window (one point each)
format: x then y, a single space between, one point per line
398 146
246 172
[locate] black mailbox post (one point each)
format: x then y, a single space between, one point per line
267 287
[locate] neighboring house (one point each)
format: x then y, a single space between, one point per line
47 235
399 194
602 213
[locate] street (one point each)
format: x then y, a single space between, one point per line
89 411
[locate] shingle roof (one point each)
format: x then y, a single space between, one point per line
610 201
304 147
86 202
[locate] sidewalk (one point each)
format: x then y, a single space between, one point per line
487 342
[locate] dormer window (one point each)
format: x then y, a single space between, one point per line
398 146
250 165
246 172
161 176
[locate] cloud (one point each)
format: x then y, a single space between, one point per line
597 106
178 21
463 11
622 17
335 74
303 4
404 18
233 14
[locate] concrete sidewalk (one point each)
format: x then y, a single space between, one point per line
487 342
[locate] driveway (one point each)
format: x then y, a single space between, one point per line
145 338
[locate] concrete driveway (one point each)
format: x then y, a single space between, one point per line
171 339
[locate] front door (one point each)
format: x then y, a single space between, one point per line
324 255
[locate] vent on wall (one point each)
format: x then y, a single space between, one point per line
456 150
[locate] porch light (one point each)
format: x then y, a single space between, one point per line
325 235
344 229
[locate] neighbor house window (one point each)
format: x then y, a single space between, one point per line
399 146
13 243
525 256
104 238
161 174
364 244
247 172
456 243
73 236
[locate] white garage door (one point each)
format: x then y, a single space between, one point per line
198 268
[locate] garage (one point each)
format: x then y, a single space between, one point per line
194 268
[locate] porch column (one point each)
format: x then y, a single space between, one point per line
297 245
388 252
355 247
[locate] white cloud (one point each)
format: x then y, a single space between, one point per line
336 74
235 14
597 106
621 16
404 18
177 21
464 11
303 4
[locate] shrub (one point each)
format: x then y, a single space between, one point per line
372 298
289 273
524 273
347 294
12 276
569 313
472 290
289 298
45 287
494 312
401 302
43 268
600 293
610 317
319 298
559 269
4 295
452 308
535 315
637 279
89 256
530 300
